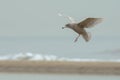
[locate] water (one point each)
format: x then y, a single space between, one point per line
97 48
56 77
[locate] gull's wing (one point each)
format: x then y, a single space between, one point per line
89 22
71 19
68 17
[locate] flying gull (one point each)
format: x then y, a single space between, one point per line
79 27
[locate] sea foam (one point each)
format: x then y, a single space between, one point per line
41 57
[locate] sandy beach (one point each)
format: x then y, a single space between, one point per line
107 68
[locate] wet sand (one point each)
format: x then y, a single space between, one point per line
107 68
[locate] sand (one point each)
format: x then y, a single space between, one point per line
107 68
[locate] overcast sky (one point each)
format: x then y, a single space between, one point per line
39 17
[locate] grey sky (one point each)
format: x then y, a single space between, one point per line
39 17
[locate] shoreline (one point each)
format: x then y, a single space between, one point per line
68 67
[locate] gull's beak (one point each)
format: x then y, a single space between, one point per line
63 27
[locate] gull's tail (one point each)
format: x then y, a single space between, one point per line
86 36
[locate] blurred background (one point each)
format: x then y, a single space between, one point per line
34 26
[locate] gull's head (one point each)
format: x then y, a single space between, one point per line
69 25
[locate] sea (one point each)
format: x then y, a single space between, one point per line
24 76
99 48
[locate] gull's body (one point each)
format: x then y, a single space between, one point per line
80 27
80 31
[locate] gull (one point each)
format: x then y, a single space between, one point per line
79 27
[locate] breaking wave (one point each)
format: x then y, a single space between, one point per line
41 57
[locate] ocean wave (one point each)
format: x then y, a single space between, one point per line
41 57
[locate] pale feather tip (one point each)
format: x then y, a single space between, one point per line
59 14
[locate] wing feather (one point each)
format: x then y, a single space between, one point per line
89 22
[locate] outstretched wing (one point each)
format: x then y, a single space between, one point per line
68 17
89 22
71 19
